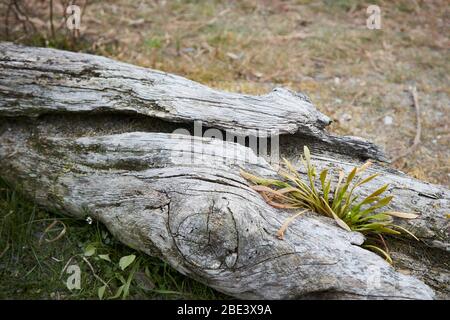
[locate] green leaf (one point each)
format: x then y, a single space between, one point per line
405 230
307 154
89 250
118 292
126 288
104 257
366 201
389 230
341 223
381 203
368 179
101 292
168 292
354 217
121 278
323 177
326 190
378 217
384 202
338 220
351 175
379 250
337 191
379 191
125 261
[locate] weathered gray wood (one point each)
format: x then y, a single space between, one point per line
201 218
65 137
36 81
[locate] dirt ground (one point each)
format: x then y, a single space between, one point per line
357 76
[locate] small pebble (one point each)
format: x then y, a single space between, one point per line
388 120
346 117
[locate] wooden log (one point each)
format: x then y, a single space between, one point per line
38 81
72 136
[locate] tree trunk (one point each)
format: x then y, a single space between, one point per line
89 136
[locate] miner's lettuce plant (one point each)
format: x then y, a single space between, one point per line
340 202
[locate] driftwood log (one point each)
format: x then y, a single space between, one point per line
88 136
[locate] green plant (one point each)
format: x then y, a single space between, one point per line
37 247
118 279
153 43
342 204
124 289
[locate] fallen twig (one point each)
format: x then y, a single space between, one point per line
94 274
416 141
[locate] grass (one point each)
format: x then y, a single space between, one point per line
340 203
32 266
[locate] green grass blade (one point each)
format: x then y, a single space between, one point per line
379 250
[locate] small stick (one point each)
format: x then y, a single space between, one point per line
66 265
24 14
416 141
93 272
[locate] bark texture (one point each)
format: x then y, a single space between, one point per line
86 135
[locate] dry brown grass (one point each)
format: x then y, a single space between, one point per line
323 48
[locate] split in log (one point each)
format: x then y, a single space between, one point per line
42 81
86 135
